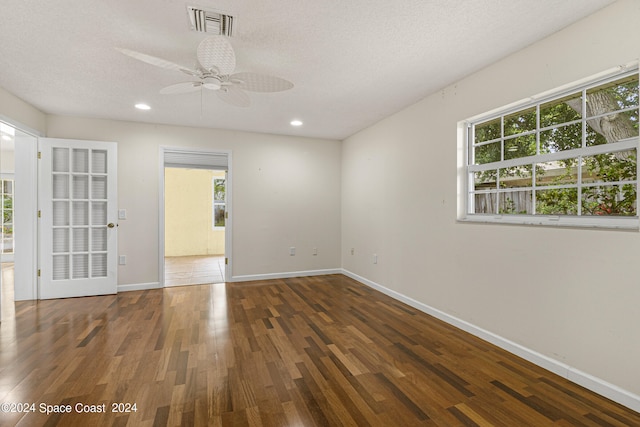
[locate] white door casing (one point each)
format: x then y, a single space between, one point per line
77 200
197 159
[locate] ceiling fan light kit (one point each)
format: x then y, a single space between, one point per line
216 63
211 83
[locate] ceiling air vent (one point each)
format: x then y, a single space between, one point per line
209 21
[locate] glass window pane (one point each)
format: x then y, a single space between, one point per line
557 173
80 213
7 209
561 138
80 240
99 265
61 186
99 213
60 213
522 121
80 160
218 215
612 128
487 131
80 184
99 239
487 153
514 177
60 159
219 190
485 203
561 110
98 187
98 161
60 268
80 266
522 146
516 203
60 240
610 167
6 246
486 180
557 201
609 200
614 96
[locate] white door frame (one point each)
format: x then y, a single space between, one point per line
26 205
229 209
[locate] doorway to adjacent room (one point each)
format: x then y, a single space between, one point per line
194 211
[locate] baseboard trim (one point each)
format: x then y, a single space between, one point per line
588 381
285 275
138 287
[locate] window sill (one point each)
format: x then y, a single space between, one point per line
607 223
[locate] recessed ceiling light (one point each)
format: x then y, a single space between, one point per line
142 107
296 123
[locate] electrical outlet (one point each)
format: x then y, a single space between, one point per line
315 251
292 250
352 251
375 258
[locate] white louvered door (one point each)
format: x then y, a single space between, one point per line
78 218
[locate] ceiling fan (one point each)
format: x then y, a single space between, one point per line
216 62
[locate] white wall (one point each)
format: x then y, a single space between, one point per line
286 192
21 113
188 213
572 295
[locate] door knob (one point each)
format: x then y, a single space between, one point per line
111 225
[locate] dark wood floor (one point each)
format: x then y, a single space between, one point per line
317 351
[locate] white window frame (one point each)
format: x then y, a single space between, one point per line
214 203
465 147
7 256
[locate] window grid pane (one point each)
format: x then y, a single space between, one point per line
585 182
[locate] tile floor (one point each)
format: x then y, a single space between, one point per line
193 270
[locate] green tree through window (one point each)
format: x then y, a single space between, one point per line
572 155
219 202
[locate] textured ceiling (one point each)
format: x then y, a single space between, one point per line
352 62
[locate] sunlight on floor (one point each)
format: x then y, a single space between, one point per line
193 270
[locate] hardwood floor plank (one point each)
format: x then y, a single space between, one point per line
307 351
472 415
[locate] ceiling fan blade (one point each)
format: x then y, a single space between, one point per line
261 82
216 52
234 95
184 87
154 60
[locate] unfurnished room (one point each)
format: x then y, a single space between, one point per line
281 213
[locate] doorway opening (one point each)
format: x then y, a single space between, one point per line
194 230
18 216
7 197
195 193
